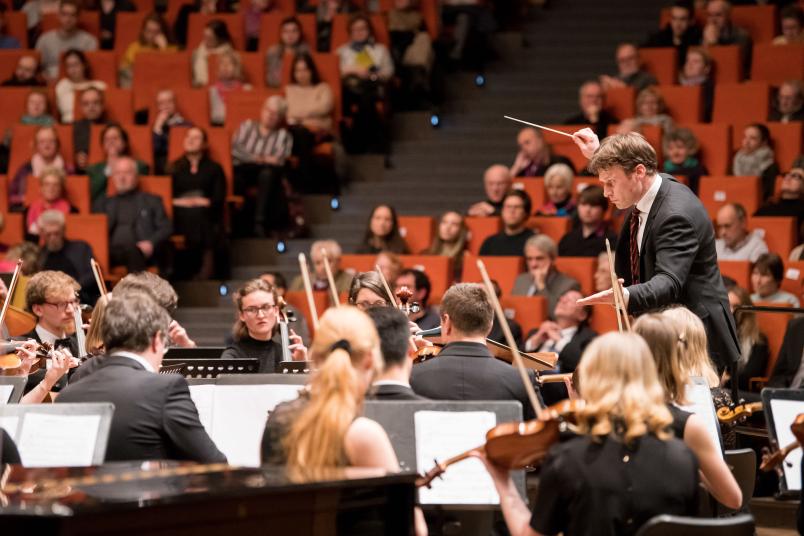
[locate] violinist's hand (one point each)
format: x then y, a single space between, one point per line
297 348
60 363
481 208
179 335
27 354
587 141
413 327
605 297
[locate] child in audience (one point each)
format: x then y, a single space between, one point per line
37 110
681 151
230 80
756 157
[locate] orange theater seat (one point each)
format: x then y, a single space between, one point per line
740 271
89 21
777 63
197 22
16 25
621 102
773 325
781 234
12 105
119 105
504 270
103 64
603 319
684 103
270 24
652 133
9 59
358 263
793 280
741 103
437 267
92 229
76 188
553 226
582 269
140 138
219 150
3 194
245 105
153 184
480 228
529 311
159 70
13 231
534 187
417 231
786 138
22 139
127 28
759 21
192 104
298 300
661 63
570 150
714 140
727 63
717 191
253 68
340 30
329 69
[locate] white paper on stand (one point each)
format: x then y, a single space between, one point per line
58 440
701 404
784 413
5 393
10 423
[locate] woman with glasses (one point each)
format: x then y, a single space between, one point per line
256 323
368 291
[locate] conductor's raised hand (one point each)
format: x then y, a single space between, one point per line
587 141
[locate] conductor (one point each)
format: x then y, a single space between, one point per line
666 249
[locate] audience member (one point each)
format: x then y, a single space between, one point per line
588 237
216 40
182 22
650 110
167 116
93 108
324 14
629 70
465 368
681 32
697 71
34 11
7 41
154 37
199 193
115 145
390 264
68 36
252 14
754 349
26 73
107 11
259 151
472 22
592 102
411 50
496 183
792 23
291 43
52 196
71 257
382 232
558 185
756 157
735 242
511 240
787 106
450 240
681 156
229 80
393 383
37 110
719 30
78 77
280 285
367 290
256 323
541 277
419 284
788 372
318 277
766 277
790 201
139 228
46 154
535 155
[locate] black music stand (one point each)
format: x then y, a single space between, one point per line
295 367
199 352
211 368
18 387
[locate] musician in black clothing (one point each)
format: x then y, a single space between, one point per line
393 383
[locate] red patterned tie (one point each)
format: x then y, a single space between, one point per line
634 247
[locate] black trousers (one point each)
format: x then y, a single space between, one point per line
270 202
130 256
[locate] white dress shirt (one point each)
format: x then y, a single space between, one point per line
46 336
138 358
644 205
556 346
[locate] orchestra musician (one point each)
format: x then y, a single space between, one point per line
277 280
367 291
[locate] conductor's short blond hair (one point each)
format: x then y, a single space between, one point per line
626 151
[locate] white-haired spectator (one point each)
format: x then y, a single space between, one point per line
541 277
496 183
558 184
343 278
69 256
787 106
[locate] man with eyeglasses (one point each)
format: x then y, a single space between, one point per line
511 240
629 70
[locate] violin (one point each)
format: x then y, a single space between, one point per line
12 364
727 415
404 294
773 460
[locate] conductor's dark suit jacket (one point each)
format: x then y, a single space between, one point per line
154 416
468 371
678 265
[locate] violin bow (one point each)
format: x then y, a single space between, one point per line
520 365
330 279
308 289
10 292
98 273
391 296
617 292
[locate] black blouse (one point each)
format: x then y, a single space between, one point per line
268 352
680 417
209 181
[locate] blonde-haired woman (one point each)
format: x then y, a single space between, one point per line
610 479
450 240
663 340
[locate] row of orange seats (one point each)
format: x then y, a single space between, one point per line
759 21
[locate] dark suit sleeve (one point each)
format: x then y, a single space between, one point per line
676 245
184 429
162 226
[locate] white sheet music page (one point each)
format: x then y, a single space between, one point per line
238 418
443 434
701 404
5 393
784 413
58 440
204 396
10 423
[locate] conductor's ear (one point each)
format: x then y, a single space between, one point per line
640 171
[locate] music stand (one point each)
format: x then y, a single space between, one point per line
211 368
18 388
781 407
295 367
199 352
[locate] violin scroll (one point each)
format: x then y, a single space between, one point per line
740 413
404 294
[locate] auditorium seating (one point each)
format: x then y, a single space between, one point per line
139 137
528 311
504 270
684 103
717 191
127 28
244 105
728 65
781 234
777 63
714 141
786 140
298 300
76 188
16 26
92 229
793 280
13 229
773 325
661 63
480 228
198 21
89 21
417 231
534 187
745 102
621 102
552 226
740 271
580 268
22 145
153 184
9 58
103 65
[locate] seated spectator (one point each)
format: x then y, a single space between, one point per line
260 149
535 155
367 291
78 77
256 323
681 32
390 265
69 256
450 240
734 241
291 44
154 37
393 383
790 201
26 73
167 116
650 110
766 277
37 110
792 23
216 40
68 36
34 11
229 80
496 334
93 108
629 70
280 285
419 284
756 157
592 102
366 67
472 23
108 11
541 277
46 154
139 228
602 275
787 106
697 71
588 237
115 145
754 350
382 232
558 184
719 30
496 183
324 14
182 23
681 151
7 41
511 240
252 14
199 192
52 197
318 276
411 51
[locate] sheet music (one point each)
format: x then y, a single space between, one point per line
443 434
5 393
10 423
58 440
204 396
701 404
784 413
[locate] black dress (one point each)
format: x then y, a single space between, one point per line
601 486
277 427
268 352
